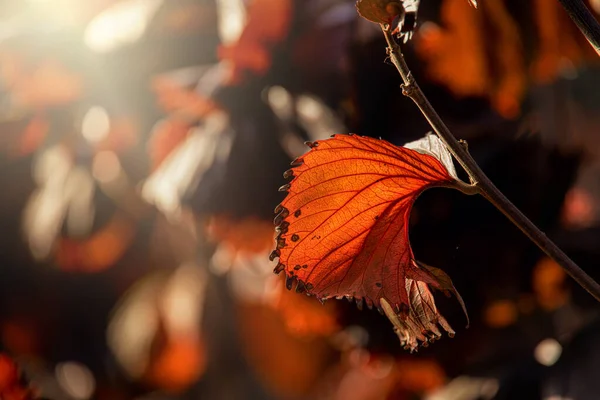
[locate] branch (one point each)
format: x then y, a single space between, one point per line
478 178
584 20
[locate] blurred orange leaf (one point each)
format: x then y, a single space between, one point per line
268 23
247 236
99 252
304 317
34 135
51 84
455 53
420 376
476 53
549 284
561 45
501 313
178 364
265 337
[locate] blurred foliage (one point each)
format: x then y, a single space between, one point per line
142 143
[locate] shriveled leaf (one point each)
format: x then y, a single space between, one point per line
419 323
379 11
408 24
343 228
444 283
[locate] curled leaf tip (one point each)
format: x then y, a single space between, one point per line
419 326
442 281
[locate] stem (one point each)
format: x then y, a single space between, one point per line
478 178
467 189
584 20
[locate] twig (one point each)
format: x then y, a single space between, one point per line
584 20
478 178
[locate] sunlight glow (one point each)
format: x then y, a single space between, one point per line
465 387
78 196
281 102
317 118
76 379
133 326
46 208
122 24
251 278
232 19
547 352
95 125
186 165
183 300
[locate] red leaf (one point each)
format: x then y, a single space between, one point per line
343 228
9 373
11 386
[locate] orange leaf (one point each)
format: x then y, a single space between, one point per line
343 228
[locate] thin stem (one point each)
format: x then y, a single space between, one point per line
463 187
584 20
478 178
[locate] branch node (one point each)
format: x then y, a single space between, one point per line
409 89
465 146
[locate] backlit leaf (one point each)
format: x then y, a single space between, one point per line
343 228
